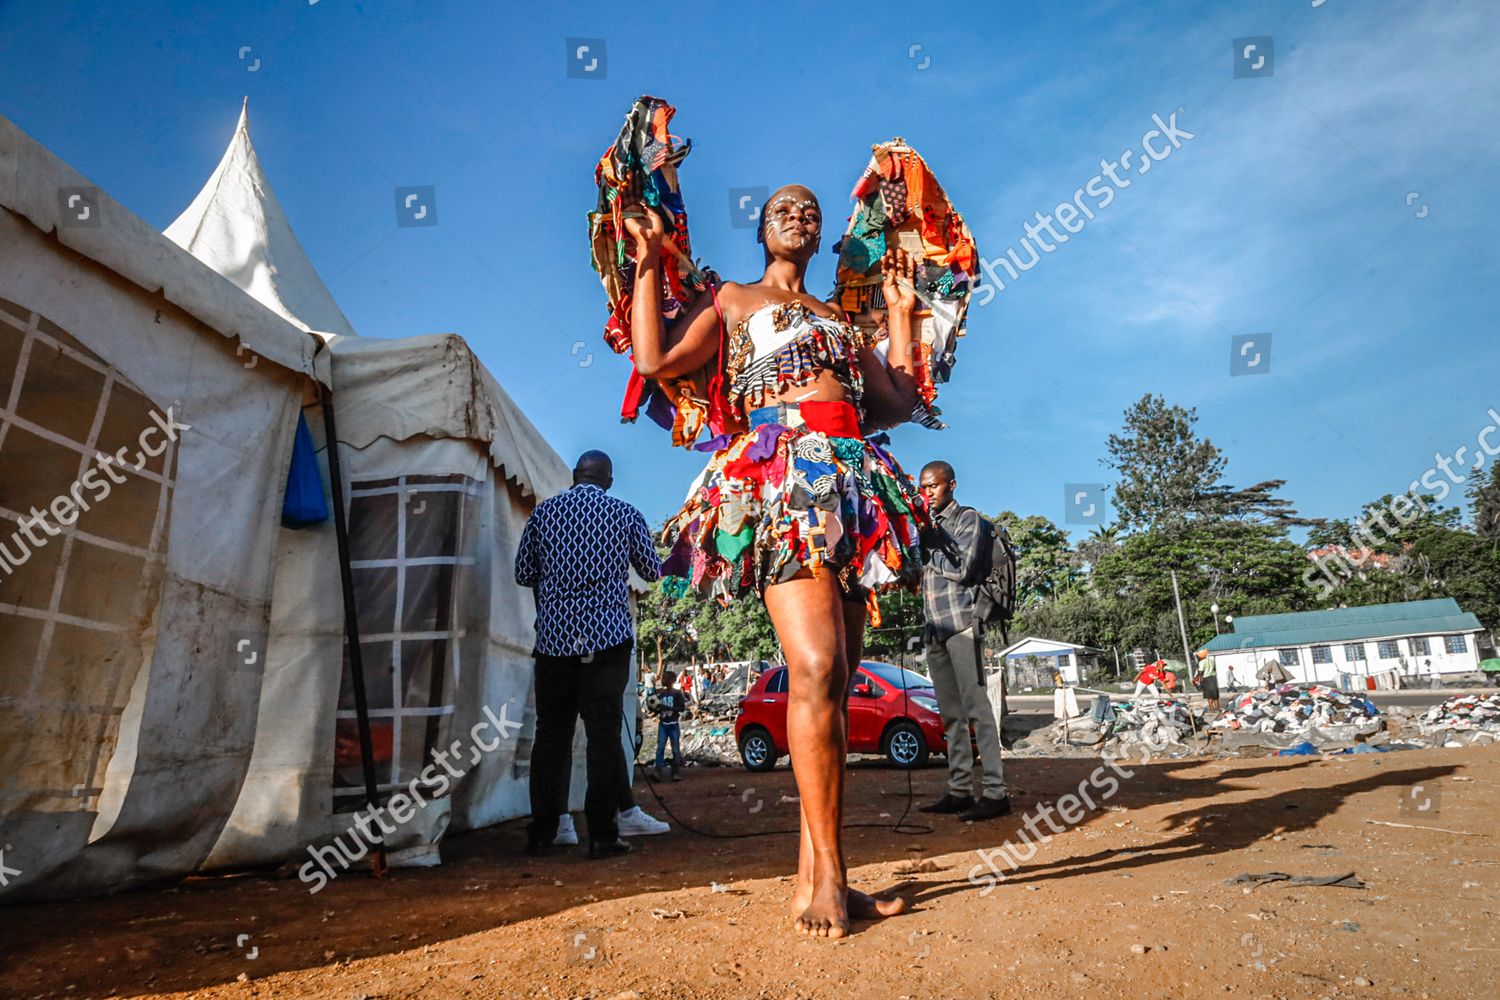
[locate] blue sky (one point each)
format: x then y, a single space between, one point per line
1346 204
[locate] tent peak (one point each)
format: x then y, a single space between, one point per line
237 227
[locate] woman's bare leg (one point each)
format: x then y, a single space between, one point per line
809 618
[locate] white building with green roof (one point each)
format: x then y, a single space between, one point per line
1414 638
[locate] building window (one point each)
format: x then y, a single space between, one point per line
1322 654
1419 645
1455 644
1354 652
1289 657
408 538
1388 649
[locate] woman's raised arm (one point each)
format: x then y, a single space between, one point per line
690 340
891 388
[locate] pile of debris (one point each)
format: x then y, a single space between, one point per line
1157 725
1468 719
1296 712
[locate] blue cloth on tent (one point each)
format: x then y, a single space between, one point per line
304 503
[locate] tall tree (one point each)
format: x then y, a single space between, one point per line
1484 498
1164 467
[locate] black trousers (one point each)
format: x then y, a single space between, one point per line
567 688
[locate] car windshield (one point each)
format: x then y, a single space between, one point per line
896 676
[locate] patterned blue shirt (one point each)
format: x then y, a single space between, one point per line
576 552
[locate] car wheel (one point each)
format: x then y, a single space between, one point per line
905 746
756 750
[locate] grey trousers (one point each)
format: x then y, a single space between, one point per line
954 667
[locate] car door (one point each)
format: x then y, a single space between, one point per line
770 707
867 712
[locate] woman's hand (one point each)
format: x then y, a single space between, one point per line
642 223
898 281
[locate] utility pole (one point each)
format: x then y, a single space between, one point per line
1187 656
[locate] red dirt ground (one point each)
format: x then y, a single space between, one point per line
493 923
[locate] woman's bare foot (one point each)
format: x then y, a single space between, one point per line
863 906
827 915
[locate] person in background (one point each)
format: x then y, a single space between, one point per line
670 706
955 553
576 553
1208 678
1273 674
1149 678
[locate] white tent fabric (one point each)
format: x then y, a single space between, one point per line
441 473
127 713
236 226
182 702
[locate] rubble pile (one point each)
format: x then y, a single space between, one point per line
1467 719
1154 723
1299 711
710 742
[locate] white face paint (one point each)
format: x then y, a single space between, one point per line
783 209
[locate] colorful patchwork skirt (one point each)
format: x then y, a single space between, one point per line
800 490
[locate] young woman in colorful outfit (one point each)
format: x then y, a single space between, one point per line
795 505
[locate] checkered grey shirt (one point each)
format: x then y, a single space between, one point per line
954 554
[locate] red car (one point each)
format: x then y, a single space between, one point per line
884 717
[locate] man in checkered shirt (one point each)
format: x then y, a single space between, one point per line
955 551
576 553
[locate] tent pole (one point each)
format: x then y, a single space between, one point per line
351 623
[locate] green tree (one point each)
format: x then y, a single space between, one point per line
1045 565
1164 468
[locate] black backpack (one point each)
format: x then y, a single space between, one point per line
995 603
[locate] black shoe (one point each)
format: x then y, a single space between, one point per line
949 803
986 808
608 848
537 847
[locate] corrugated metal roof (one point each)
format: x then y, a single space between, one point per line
1376 621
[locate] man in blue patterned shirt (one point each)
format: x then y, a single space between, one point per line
576 553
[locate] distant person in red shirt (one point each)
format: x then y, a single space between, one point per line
1150 678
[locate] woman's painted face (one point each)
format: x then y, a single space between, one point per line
793 220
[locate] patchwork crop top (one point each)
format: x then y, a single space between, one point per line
787 344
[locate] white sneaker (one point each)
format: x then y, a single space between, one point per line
567 834
636 822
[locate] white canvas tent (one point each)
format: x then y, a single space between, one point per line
182 701
441 469
125 721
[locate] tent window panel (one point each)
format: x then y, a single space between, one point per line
49 782
422 687
20 638
50 471
348 765
372 525
126 419
30 584
122 512
432 523
375 598
94 575
375 658
428 598
83 667
11 340
59 392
